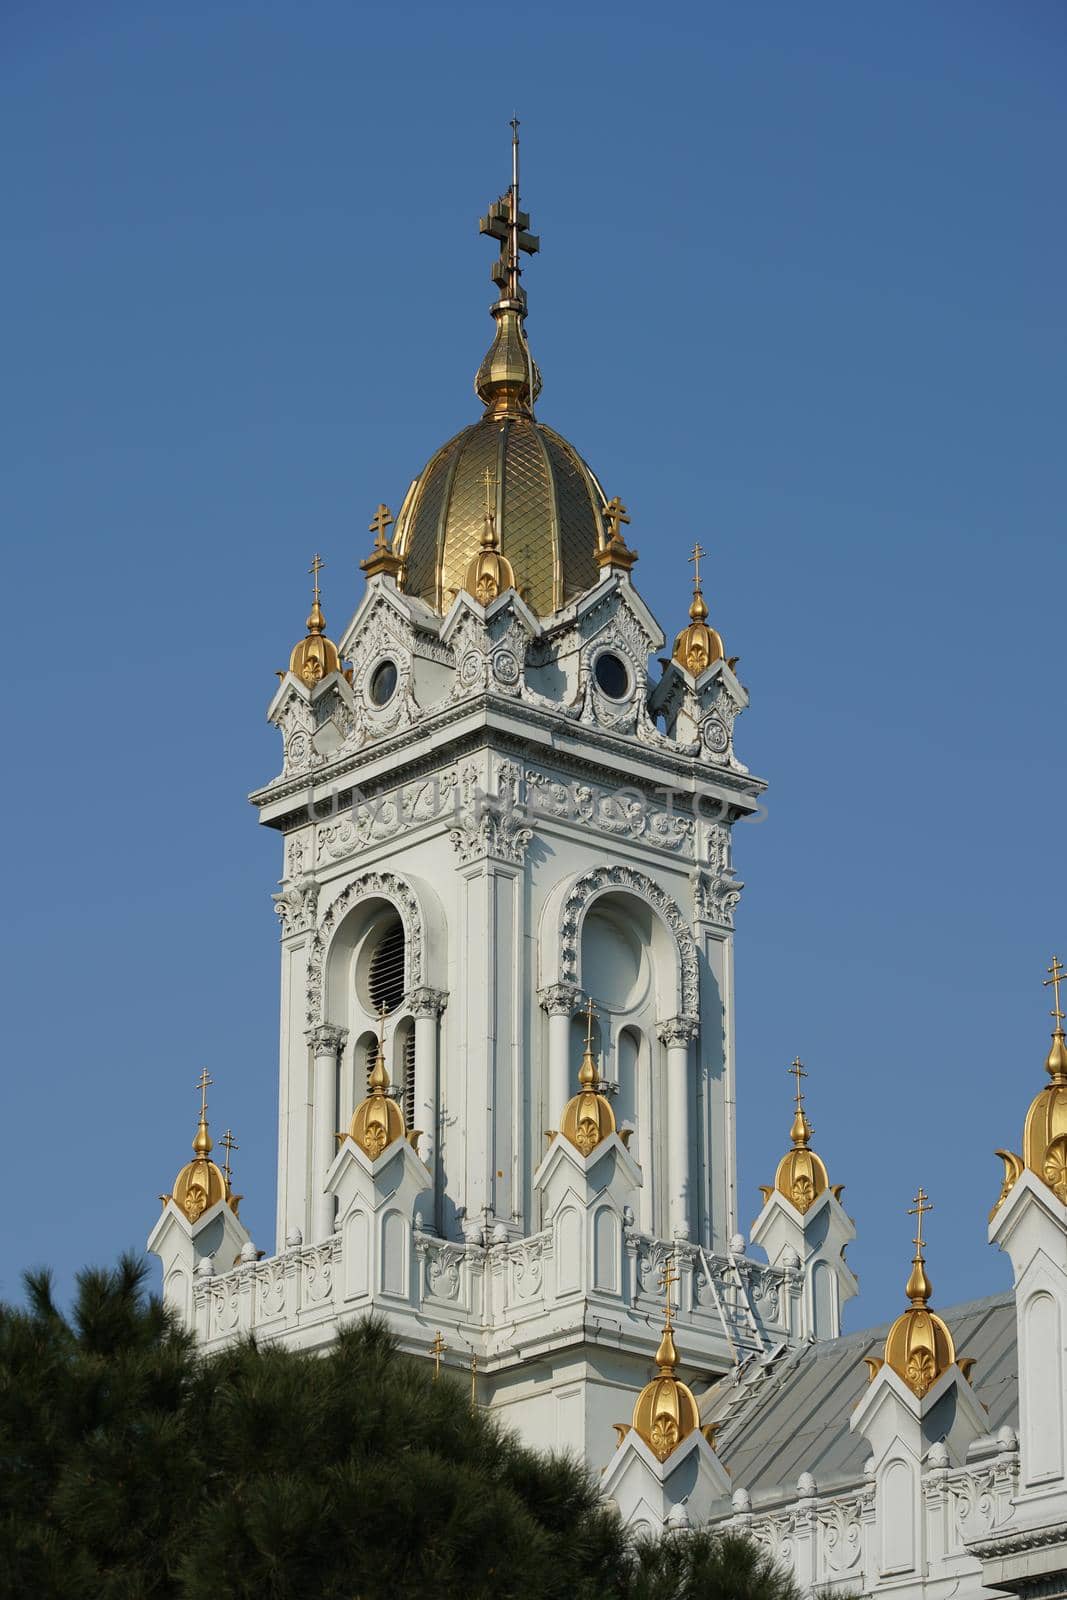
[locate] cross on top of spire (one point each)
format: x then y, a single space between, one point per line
668 1278
203 1083
506 223
1059 972
315 568
797 1070
698 551
918 1211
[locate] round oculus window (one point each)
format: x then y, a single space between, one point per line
383 683
611 676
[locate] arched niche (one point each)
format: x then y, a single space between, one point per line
343 928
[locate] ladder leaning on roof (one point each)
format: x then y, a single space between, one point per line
740 1324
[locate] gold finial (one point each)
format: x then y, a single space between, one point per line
919 1346
489 573
666 1411
315 657
698 646
614 552
474 1381
919 1287
801 1176
1045 1128
508 380
200 1184
437 1350
377 1121
587 1117
383 558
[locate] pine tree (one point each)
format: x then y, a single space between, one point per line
134 1468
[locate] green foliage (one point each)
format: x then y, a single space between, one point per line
133 1468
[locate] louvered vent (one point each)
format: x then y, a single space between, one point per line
385 976
372 1056
409 1078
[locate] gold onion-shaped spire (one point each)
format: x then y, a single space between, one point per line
801 1176
508 382
666 1410
378 1121
1045 1128
698 646
587 1117
315 657
489 573
919 1346
200 1185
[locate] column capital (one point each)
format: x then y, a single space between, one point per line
560 999
678 1030
427 1002
326 1039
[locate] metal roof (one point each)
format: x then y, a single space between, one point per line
789 1412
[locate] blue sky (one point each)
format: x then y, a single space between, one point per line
800 295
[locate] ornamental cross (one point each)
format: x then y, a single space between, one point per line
1058 972
383 518
474 1381
614 514
437 1349
203 1083
698 551
590 1012
315 568
229 1144
668 1278
797 1069
919 1209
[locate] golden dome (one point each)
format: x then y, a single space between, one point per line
378 1121
548 507
315 657
698 646
801 1176
1045 1128
587 1117
919 1346
200 1184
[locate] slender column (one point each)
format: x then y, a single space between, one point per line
426 1006
326 1043
677 1034
560 1000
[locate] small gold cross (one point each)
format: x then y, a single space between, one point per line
315 568
797 1069
474 1381
614 514
437 1349
1058 973
590 1012
203 1083
698 551
668 1278
383 518
919 1209
229 1144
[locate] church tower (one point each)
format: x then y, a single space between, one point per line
506 914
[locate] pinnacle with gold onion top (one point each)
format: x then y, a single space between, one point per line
315 657
200 1184
587 1117
1045 1128
919 1346
378 1121
666 1410
801 1176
